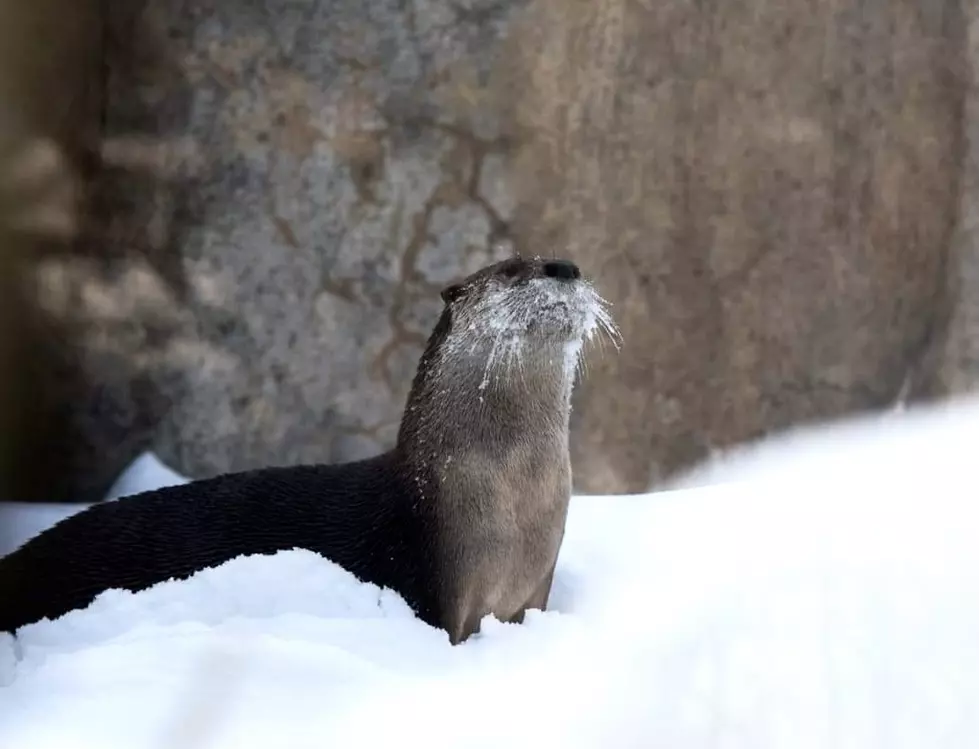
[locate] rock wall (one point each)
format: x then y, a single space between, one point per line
283 188
951 361
767 191
766 188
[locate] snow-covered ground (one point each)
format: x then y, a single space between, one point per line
820 591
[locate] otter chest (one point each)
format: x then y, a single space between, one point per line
502 541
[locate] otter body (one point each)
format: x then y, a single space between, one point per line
463 518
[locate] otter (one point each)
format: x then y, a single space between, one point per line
464 517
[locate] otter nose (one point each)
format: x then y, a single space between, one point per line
563 270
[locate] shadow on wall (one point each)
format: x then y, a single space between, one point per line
47 100
89 405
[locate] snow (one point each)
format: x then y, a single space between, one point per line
145 473
20 521
820 590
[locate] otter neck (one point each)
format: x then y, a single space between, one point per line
464 399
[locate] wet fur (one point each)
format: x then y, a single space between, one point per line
464 517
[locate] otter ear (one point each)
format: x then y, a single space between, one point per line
451 293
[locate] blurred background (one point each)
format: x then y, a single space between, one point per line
224 225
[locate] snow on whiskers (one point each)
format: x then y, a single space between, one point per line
539 311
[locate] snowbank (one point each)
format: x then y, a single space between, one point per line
145 473
828 597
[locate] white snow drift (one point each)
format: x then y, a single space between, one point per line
829 596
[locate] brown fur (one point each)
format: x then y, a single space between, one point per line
491 446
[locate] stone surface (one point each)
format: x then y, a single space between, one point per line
284 188
950 365
767 190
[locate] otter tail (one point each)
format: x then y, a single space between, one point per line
64 567
16 605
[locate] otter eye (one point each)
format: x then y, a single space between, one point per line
451 293
510 271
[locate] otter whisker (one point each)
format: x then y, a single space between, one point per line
511 356
581 367
522 369
490 361
607 329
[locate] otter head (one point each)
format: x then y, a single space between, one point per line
506 348
523 307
